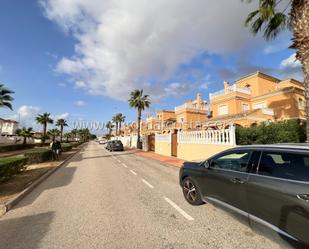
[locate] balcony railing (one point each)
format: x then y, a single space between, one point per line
267 111
231 89
191 107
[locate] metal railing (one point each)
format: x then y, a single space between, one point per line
190 106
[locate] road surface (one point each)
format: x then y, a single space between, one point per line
119 200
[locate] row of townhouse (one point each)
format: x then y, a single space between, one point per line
197 129
253 99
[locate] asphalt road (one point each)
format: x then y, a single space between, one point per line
119 200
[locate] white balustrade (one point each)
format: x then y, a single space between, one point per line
230 89
167 138
225 136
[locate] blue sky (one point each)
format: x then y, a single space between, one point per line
80 60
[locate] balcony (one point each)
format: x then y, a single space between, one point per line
190 107
231 89
267 111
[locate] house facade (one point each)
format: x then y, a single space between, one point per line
8 127
257 98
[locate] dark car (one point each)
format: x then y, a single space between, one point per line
268 185
114 145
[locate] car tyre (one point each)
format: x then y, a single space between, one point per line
191 192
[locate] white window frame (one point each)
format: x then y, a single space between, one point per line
247 107
259 105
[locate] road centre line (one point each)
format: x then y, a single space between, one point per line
182 212
133 172
147 183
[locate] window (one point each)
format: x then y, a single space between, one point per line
223 110
285 165
245 107
259 105
301 103
236 160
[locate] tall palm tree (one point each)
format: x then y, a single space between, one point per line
110 127
5 97
84 134
61 122
121 118
139 101
54 133
74 133
271 20
25 133
44 119
115 120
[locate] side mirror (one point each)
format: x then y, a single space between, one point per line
207 164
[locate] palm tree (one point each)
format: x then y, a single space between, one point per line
54 133
74 133
139 102
67 135
110 127
115 120
61 122
25 133
84 134
121 118
5 97
44 119
271 21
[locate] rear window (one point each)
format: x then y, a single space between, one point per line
285 165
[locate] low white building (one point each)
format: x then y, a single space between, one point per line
8 127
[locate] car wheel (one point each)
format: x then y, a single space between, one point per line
191 192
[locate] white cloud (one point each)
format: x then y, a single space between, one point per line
64 115
80 103
25 115
291 68
290 62
177 89
124 45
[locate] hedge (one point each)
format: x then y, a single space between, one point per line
38 155
288 131
66 147
10 166
12 147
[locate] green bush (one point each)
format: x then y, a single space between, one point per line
38 155
12 147
10 166
66 147
288 131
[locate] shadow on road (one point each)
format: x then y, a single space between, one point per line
62 177
24 232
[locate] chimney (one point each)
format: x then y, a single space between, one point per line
226 84
198 100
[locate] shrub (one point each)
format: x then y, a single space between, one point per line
66 147
288 131
10 166
12 147
38 155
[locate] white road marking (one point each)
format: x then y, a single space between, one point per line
118 161
183 213
124 165
147 183
133 172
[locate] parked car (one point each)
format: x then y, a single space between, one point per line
268 185
114 145
102 141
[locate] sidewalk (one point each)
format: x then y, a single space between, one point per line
174 161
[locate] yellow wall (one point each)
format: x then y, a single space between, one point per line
199 151
163 148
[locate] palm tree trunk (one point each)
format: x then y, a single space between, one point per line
61 133
300 25
25 141
120 128
139 117
44 133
